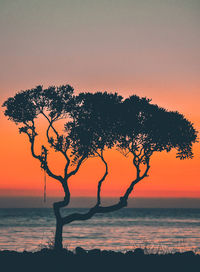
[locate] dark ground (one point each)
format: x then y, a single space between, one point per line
96 260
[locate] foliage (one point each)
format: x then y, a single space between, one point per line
100 120
146 128
94 123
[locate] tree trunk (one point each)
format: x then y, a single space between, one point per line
58 235
59 221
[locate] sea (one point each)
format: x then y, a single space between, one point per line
154 230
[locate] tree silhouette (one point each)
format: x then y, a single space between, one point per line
94 123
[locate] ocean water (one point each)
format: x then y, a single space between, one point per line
155 230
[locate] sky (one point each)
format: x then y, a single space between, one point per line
149 48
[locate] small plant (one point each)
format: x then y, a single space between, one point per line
49 244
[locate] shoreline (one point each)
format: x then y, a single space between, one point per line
96 259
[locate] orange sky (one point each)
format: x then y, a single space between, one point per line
148 48
21 174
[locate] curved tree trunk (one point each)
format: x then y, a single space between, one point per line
58 235
59 220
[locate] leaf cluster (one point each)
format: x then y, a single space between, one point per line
27 105
147 127
93 125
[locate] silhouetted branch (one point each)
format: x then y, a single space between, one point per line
136 163
50 122
57 135
39 157
49 172
102 179
96 209
77 167
123 151
63 152
139 178
32 141
99 209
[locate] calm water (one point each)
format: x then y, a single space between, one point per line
155 229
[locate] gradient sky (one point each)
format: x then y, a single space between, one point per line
149 48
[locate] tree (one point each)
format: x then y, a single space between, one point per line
96 122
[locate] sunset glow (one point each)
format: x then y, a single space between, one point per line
132 49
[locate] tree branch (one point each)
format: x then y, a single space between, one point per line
66 200
129 190
49 172
63 152
32 141
99 209
101 180
50 122
136 162
96 209
77 167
